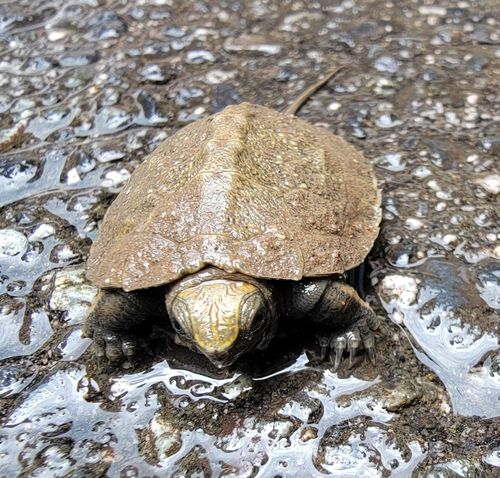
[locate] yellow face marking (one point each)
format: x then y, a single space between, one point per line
214 312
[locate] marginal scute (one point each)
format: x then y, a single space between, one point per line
247 190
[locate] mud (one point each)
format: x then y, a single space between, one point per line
87 89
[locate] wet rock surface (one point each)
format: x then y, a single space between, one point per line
89 88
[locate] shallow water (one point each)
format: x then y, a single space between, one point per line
87 89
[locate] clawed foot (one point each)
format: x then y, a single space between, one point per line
358 337
116 347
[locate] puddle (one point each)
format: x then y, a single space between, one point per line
88 89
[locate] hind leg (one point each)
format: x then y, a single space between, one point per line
119 322
341 308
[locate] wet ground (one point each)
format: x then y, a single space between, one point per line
88 88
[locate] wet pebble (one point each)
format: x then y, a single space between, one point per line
401 254
163 437
463 468
477 62
154 73
114 179
12 242
308 433
185 96
401 288
78 58
110 119
10 136
252 43
401 396
175 31
72 294
392 161
490 183
106 156
386 120
216 76
386 63
105 25
197 57
42 231
486 35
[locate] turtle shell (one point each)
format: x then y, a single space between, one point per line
247 190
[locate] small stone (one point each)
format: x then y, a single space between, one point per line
72 176
449 238
386 63
215 77
472 99
12 242
113 179
56 35
490 183
422 172
153 73
62 253
308 433
164 438
197 57
252 43
105 25
109 155
78 58
413 224
334 106
401 396
72 293
386 120
11 136
432 10
392 162
42 232
403 288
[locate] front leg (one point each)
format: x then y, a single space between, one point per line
340 307
120 321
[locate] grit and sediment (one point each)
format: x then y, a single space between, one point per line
88 88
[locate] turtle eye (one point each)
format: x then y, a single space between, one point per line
250 309
259 319
177 328
180 317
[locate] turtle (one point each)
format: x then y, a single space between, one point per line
238 222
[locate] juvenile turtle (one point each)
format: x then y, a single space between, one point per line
238 221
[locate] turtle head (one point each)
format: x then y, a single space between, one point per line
222 318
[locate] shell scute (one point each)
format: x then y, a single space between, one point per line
248 190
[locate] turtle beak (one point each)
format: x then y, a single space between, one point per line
216 335
214 314
220 360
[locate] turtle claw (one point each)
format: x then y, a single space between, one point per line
358 337
338 345
371 355
353 343
369 344
129 347
113 347
323 343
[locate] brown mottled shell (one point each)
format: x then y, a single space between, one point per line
247 190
